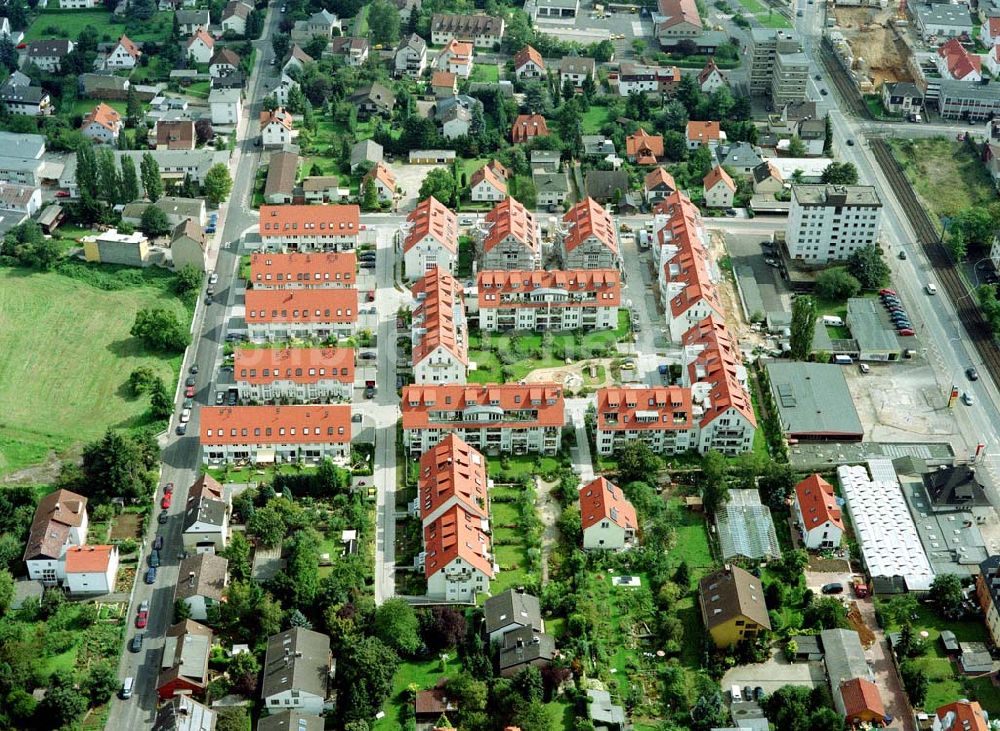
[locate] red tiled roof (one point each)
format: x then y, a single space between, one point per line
709 69
383 174
225 56
103 115
299 365
441 79
486 173
715 175
453 469
959 61
644 146
528 54
861 700
433 218
587 218
544 399
993 25
656 177
703 131
300 424
718 363
306 220
644 409
605 282
130 48
679 11
303 268
206 487
527 127
689 265
456 534
88 559
817 502
336 305
278 116
601 500
458 52
965 715
510 218
499 169
436 315
205 38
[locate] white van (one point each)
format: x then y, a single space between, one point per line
931 288
842 360
833 321
735 692
127 687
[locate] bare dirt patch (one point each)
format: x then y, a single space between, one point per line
871 36
126 526
858 625
572 376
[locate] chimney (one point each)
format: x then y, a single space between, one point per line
182 710
191 578
520 643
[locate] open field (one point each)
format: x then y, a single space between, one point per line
65 355
509 548
69 23
763 14
487 73
593 119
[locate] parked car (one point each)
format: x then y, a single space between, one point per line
902 254
151 575
232 398
185 416
968 399
141 619
220 398
158 543
368 355
136 644
834 588
154 559
369 392
864 368
213 278
356 418
190 380
162 517
885 291
905 332
181 430
367 264
166 500
188 403
971 373
189 391
168 488
127 687
758 694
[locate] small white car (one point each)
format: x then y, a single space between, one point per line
968 399
214 278
185 416
931 288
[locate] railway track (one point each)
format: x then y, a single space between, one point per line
855 105
964 300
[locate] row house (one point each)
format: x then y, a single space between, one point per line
309 227
302 270
495 418
589 239
206 517
639 79
410 58
484 31
538 299
275 434
429 239
304 375
453 506
286 314
512 240
720 396
659 416
440 332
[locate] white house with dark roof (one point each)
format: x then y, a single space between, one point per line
511 610
297 671
206 517
60 522
201 583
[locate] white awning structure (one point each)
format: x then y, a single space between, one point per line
265 456
889 540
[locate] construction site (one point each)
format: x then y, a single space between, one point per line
873 42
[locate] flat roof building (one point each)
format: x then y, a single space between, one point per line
875 339
813 401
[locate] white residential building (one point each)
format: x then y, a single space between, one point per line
297 671
590 239
226 106
303 375
429 239
90 569
125 55
305 314
546 299
310 227
830 222
411 57
818 514
60 522
206 517
201 584
440 333
607 517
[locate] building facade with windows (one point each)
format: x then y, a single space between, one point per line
830 222
304 314
303 375
275 434
440 332
542 300
310 227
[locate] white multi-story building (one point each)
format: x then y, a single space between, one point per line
830 222
226 106
298 667
310 227
320 314
60 522
539 299
440 332
304 375
818 514
90 569
484 31
411 57
276 127
125 55
275 434
661 417
456 58
206 517
640 79
494 418
512 240
590 239
102 124
429 239
528 64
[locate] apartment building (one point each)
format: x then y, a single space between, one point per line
430 239
494 418
512 240
589 239
304 375
286 314
790 77
765 46
310 227
830 222
411 57
539 299
302 270
636 78
660 416
275 434
440 333
484 31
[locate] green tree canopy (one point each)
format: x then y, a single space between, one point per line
837 284
218 184
868 267
840 173
803 327
153 222
397 626
160 329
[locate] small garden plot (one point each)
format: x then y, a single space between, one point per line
126 526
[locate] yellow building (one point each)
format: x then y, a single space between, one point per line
732 606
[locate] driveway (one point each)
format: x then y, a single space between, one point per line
893 697
775 673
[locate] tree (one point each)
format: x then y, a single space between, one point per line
370 200
267 525
63 703
130 180
160 329
708 711
803 327
118 465
364 678
28 246
160 403
133 108
86 170
837 284
526 193
603 51
108 178
568 89
840 173
636 461
442 628
238 552
946 595
153 222
796 147
182 611
203 130
868 267
383 22
439 183
825 613
396 625
6 590
101 682
141 10
914 682
714 487
908 645
974 225
149 173
776 484
243 671
280 44
232 718
218 184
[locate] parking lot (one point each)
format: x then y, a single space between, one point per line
409 178
775 673
620 28
755 275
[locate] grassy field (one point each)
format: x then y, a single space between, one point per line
762 13
928 162
593 119
487 73
69 23
508 547
65 355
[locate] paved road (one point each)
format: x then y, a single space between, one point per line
181 456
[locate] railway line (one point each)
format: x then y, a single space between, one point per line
964 299
853 104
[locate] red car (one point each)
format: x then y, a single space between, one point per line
141 619
165 502
189 391
62 194
887 291
168 488
905 332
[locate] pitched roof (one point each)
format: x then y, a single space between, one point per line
432 218
644 409
188 228
703 132
289 720
415 42
549 288
184 713
766 170
377 94
577 65
586 219
237 9
336 305
344 45
103 115
298 54
452 470
543 401
299 424
528 54
525 645
128 46
486 173
510 218
440 315
993 25
309 220
729 593
602 500
499 169
89 559
282 169
602 184
56 513
443 79
203 574
225 56
717 175
718 363
960 62
709 69
678 11
383 174
365 151
644 146
56 47
297 659
186 649
259 366
303 268
456 533
206 486
175 134
964 715
861 697
203 36
466 26
818 503
512 607
659 176
527 127
279 116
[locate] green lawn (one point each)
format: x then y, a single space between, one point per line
83 106
65 355
593 119
69 23
200 89
361 22
487 73
767 18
